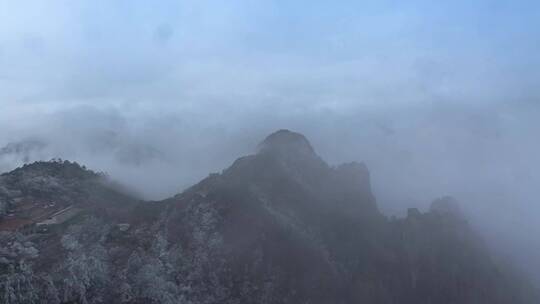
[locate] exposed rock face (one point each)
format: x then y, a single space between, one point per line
288 143
279 226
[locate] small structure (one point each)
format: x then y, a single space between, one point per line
123 227
60 217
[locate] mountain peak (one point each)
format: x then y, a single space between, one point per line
286 141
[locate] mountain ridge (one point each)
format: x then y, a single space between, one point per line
277 226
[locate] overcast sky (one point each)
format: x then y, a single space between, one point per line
437 98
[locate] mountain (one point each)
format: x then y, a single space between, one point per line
278 226
41 188
125 151
20 152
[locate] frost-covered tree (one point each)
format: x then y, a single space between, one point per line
85 272
17 286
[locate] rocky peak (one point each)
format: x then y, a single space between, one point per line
286 166
286 142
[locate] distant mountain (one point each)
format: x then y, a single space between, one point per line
124 151
23 151
278 226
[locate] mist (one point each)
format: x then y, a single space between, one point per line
435 99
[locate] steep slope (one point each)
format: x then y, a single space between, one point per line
318 235
278 226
